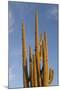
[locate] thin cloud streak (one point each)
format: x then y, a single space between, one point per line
11 74
10 22
52 13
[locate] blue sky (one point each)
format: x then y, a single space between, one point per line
47 21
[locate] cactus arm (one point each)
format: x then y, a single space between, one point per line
51 75
31 66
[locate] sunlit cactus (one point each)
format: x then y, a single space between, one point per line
45 62
37 50
51 75
24 55
35 72
37 76
31 67
40 45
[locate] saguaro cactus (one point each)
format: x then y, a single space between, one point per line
34 72
37 76
31 67
24 55
37 50
45 62
40 44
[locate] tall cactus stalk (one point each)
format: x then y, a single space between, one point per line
40 45
31 67
24 55
45 62
34 72
37 50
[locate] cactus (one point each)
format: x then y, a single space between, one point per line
40 45
37 76
34 72
31 67
37 50
45 62
24 55
46 73
51 75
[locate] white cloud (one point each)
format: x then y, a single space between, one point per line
53 13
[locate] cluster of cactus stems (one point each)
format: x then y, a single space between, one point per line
37 76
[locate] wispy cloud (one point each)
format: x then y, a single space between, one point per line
52 13
11 74
10 22
15 51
